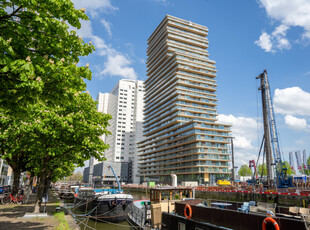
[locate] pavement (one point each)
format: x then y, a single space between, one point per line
12 216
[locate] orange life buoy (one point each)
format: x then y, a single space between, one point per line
270 220
189 211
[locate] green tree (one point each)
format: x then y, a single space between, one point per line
289 171
37 62
48 125
262 169
77 176
244 171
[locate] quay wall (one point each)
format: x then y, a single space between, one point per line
280 199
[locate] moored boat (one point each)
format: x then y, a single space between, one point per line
111 207
107 205
196 216
140 213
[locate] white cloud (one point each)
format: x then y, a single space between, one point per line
117 63
264 42
276 40
296 123
245 133
86 29
95 6
118 66
289 13
107 26
292 101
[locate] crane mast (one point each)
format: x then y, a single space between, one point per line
267 147
271 138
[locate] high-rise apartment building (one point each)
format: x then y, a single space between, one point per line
125 104
182 135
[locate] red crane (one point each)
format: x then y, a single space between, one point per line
252 164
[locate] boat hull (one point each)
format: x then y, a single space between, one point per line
106 208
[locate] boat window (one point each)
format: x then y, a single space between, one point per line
86 193
181 226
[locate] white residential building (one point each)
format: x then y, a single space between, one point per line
5 173
125 104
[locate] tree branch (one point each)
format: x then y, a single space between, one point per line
12 14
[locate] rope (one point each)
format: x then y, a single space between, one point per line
122 225
74 216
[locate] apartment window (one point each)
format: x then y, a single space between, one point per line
118 143
122 158
117 157
121 94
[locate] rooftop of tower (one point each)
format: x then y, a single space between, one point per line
178 20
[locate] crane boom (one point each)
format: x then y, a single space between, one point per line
118 184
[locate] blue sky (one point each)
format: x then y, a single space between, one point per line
245 38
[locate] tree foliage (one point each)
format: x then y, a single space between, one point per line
289 171
77 176
262 169
48 123
244 171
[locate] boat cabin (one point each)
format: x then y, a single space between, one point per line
157 194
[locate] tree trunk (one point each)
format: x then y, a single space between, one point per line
16 180
28 190
40 191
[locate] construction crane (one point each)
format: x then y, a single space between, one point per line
271 138
254 179
118 184
252 164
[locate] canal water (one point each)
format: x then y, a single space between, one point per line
91 224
